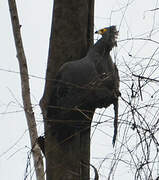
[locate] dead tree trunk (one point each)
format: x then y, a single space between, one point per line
71 37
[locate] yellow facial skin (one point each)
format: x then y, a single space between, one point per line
101 31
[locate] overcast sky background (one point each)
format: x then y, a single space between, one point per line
132 18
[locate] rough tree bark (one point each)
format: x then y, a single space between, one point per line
71 37
37 157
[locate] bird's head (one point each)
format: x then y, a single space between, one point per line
110 34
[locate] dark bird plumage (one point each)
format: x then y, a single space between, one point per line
89 83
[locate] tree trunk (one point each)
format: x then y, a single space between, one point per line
37 156
71 37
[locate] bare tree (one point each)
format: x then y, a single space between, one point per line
37 157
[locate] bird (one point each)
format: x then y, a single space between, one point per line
88 83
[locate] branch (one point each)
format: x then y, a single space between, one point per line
37 157
96 172
146 78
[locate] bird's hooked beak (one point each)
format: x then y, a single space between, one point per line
101 31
